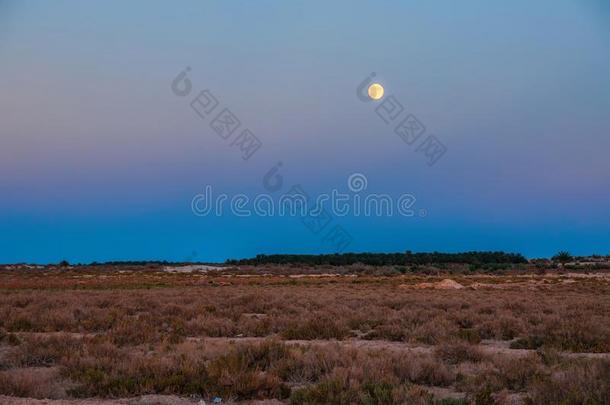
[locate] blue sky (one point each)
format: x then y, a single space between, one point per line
99 160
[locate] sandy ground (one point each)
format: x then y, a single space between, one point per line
192 268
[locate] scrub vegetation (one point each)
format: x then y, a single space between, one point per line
304 335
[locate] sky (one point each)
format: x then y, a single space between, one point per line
100 159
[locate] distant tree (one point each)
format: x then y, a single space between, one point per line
562 257
387 259
64 263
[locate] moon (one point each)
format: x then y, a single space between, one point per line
375 91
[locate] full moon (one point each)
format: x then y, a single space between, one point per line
375 91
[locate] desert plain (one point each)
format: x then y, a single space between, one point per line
154 334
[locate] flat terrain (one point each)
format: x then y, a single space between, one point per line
150 334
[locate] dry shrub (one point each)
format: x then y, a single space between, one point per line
514 374
320 327
132 332
332 390
458 353
391 332
579 334
137 316
435 331
233 375
120 374
243 372
579 383
414 395
422 369
21 324
530 343
212 325
469 335
9 338
36 351
31 383
256 327
509 327
105 370
339 388
574 334
145 350
309 364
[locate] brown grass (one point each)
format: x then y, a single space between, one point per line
104 335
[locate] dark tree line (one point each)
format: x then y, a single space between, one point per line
387 259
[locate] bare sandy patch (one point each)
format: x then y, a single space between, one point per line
446 284
193 268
